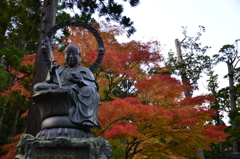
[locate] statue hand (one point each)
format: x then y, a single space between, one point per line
54 66
74 78
52 71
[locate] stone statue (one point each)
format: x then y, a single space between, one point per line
68 103
69 107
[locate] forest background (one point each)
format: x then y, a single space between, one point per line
121 88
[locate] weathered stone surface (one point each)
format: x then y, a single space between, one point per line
235 155
30 147
60 153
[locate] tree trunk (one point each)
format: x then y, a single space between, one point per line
180 59
14 127
2 117
48 21
179 52
187 93
232 100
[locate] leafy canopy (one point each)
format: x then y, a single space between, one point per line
143 113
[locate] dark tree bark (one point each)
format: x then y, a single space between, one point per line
2 117
14 127
232 101
48 21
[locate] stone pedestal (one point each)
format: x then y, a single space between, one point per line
235 155
30 147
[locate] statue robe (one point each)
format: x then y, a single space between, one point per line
84 98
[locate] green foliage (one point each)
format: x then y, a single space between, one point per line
118 149
63 16
219 150
234 113
4 78
19 21
229 54
235 131
195 62
11 56
221 98
19 29
227 98
221 104
12 103
125 89
111 10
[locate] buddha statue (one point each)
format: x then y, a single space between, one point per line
69 109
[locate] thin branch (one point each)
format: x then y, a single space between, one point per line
111 124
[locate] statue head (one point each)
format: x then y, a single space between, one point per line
72 55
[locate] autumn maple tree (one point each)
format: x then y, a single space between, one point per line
143 112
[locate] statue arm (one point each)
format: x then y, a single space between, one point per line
52 71
49 78
76 79
88 78
83 77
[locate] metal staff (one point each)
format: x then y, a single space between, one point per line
52 61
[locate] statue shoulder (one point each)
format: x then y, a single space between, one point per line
87 73
84 70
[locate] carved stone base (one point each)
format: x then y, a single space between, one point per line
30 147
235 155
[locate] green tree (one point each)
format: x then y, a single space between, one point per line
11 56
221 103
19 24
15 100
229 55
222 107
191 60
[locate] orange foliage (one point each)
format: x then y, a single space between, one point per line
29 59
161 90
22 83
24 115
11 148
183 127
23 78
158 119
167 130
122 131
5 92
152 117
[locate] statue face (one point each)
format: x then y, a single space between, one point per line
71 55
